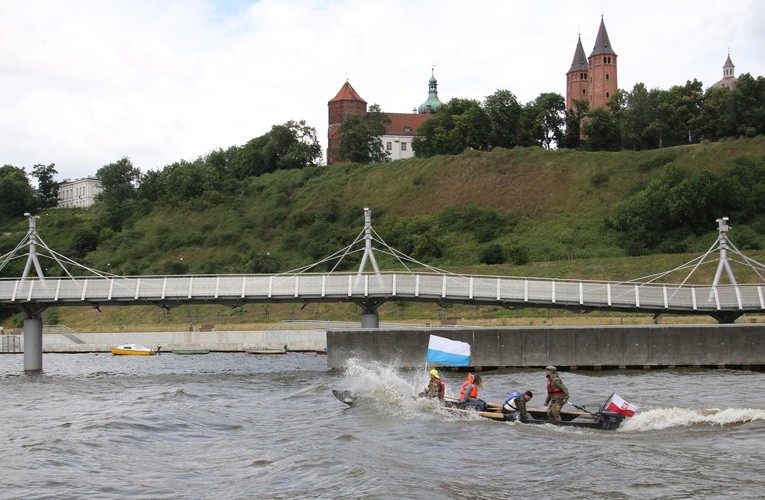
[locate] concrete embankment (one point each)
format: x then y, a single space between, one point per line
226 341
585 347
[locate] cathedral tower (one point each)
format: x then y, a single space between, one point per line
602 69
577 82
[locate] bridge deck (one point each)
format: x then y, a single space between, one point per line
423 287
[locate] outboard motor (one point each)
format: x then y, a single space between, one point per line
610 420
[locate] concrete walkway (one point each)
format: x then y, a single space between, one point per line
224 341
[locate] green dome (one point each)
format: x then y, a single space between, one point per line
433 103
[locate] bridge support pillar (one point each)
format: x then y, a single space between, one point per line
370 320
33 345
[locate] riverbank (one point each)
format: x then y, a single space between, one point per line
226 341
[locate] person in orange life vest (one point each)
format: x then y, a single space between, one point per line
469 393
557 393
436 387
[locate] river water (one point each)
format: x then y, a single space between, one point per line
228 425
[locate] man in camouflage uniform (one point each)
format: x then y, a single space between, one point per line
557 394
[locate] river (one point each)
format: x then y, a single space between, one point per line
233 425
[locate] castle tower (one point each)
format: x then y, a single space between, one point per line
602 62
577 80
347 102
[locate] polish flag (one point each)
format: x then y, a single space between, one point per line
618 405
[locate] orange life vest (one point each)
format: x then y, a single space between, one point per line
473 391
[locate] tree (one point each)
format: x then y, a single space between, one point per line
602 131
360 137
679 110
460 124
116 203
119 180
749 105
574 117
639 120
505 114
288 146
47 188
543 121
16 194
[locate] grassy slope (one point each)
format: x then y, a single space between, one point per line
560 199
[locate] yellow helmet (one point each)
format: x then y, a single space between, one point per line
434 372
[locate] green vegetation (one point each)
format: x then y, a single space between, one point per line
521 211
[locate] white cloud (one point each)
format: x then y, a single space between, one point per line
86 82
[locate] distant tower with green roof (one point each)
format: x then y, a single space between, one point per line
433 103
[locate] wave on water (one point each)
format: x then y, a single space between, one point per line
387 389
377 381
665 418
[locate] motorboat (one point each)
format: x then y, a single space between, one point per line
601 419
132 350
191 351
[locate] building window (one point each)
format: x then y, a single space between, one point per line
407 130
606 76
388 146
403 146
584 91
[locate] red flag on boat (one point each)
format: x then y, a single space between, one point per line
618 405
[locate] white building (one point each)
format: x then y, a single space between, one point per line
78 193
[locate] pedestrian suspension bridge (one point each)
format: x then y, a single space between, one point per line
417 282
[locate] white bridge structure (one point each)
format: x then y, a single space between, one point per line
32 295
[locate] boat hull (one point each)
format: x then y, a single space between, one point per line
132 350
602 420
266 351
191 351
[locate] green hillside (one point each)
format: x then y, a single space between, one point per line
525 212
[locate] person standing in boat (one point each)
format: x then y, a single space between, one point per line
436 387
515 404
557 394
469 393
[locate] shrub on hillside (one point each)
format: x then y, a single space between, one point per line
492 254
517 254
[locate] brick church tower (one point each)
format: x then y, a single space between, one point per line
595 78
577 79
347 102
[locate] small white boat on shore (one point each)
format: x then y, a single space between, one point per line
132 350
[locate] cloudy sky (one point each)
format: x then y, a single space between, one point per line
86 82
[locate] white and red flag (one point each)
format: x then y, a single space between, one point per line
617 404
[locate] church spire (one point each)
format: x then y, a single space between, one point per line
602 43
580 60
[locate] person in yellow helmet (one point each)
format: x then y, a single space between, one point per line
436 386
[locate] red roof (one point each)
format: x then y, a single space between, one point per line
405 123
347 93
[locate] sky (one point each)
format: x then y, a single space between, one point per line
84 83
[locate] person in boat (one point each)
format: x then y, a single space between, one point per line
469 393
557 394
515 404
436 386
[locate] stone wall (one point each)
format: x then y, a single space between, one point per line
581 347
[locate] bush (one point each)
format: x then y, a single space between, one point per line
492 254
518 254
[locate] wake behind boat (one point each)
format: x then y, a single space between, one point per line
132 350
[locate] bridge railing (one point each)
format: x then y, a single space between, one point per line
393 286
